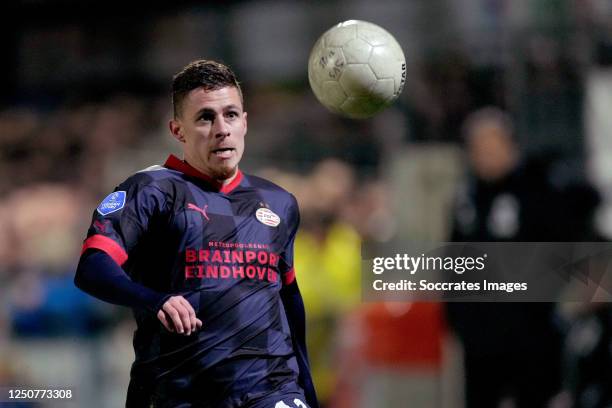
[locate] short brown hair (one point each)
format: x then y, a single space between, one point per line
207 74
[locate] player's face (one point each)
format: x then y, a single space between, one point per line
212 126
492 152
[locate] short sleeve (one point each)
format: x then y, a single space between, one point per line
123 217
286 268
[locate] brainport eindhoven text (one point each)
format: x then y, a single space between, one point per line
458 265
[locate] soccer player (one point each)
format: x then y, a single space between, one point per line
203 254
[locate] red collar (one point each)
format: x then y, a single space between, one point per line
175 163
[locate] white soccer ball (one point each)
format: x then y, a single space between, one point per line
356 69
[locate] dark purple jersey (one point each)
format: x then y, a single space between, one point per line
227 250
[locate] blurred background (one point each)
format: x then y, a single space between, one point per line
85 101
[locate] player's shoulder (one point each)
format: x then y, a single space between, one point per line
265 186
156 176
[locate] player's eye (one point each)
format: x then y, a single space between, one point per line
232 114
207 117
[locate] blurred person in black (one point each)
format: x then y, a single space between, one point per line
512 350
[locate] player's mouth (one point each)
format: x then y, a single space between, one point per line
223 152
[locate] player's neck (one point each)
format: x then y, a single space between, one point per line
229 179
222 182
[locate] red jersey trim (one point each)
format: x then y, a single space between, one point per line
107 245
227 188
175 163
289 277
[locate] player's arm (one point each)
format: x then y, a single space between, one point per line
118 224
296 316
100 276
294 305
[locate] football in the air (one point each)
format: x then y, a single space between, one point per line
356 69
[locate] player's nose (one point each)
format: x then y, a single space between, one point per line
221 128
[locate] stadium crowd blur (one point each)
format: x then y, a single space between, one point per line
86 104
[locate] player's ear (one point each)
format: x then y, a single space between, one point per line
244 117
176 129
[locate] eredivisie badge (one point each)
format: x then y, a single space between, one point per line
267 217
113 202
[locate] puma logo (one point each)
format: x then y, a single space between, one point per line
198 209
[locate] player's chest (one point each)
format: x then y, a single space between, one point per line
215 218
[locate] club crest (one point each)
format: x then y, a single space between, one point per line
267 217
113 202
